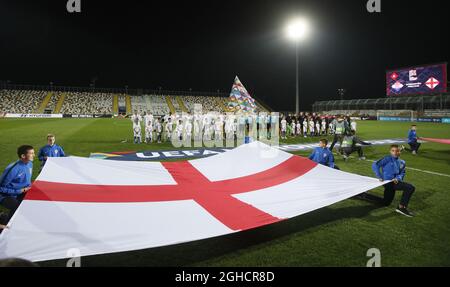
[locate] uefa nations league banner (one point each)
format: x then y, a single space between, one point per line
158 155
101 206
428 79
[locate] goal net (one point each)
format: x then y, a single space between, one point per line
397 115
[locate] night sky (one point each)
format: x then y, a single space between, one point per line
202 45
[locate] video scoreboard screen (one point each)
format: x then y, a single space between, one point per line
428 79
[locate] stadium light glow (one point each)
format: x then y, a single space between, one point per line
297 29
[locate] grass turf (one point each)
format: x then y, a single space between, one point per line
338 235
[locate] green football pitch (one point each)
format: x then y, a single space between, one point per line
338 235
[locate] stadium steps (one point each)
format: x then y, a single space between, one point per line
128 105
181 104
44 103
170 104
115 104
59 104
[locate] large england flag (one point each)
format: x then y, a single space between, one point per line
99 206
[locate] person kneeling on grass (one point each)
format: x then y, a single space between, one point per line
393 168
322 155
349 146
412 140
16 181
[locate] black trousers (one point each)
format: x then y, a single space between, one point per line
336 138
415 146
391 188
349 150
11 203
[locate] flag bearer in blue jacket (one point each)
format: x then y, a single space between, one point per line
393 168
412 140
50 150
322 155
16 180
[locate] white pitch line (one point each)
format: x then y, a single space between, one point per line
421 170
416 169
429 172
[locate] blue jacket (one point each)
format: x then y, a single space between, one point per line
50 151
16 176
391 168
322 156
412 136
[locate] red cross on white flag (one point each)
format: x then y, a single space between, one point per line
100 206
432 83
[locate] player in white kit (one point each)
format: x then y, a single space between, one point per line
149 132
324 127
283 128
136 119
169 128
311 127
218 129
197 130
148 119
228 129
298 128
180 129
158 130
305 128
137 134
318 127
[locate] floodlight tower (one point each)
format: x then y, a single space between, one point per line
297 30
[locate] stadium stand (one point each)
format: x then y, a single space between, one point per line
21 101
73 101
172 108
129 109
139 104
77 103
208 103
181 104
59 104
44 103
115 104
51 105
158 104
121 104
